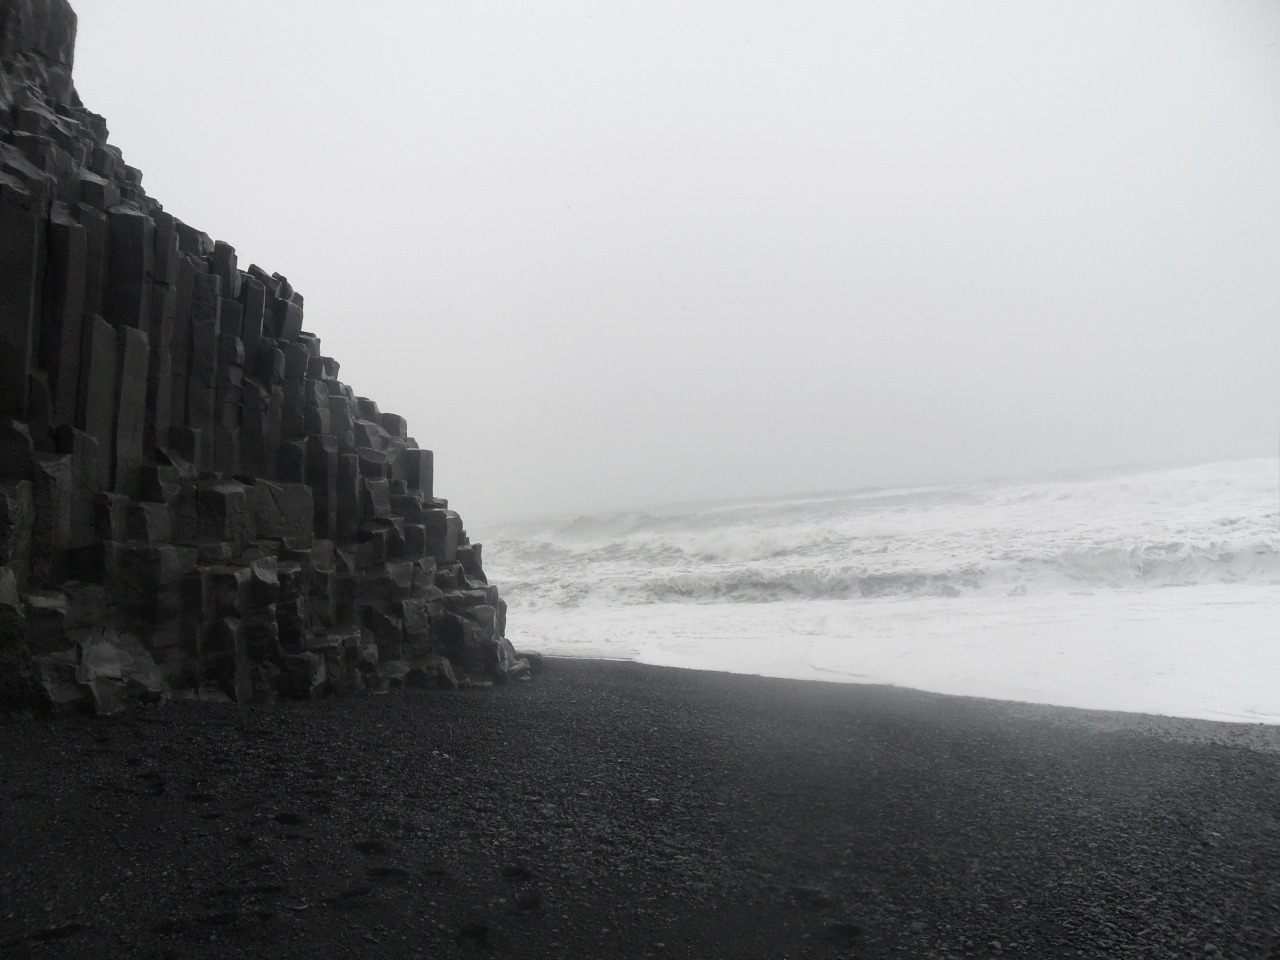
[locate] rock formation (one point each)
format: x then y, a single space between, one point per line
191 502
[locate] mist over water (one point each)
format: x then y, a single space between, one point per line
1156 591
606 254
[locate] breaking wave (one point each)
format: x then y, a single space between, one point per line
1212 524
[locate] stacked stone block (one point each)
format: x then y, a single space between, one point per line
191 501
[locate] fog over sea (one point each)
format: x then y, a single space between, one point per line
1155 591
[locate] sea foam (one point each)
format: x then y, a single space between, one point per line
983 588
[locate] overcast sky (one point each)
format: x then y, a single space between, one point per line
609 254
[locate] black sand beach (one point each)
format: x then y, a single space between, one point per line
617 810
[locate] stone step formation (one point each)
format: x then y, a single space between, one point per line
191 502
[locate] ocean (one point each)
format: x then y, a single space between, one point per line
1155 591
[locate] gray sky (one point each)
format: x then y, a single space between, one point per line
610 254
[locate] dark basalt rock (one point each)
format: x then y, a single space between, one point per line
37 45
192 503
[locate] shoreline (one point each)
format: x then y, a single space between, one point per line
1194 652
1177 726
614 809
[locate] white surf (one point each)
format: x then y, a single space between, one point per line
1155 591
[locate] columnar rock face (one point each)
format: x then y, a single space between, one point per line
191 502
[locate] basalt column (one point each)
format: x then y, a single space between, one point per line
192 503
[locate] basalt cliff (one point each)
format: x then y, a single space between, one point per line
192 503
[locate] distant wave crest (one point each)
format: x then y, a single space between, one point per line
1153 565
1214 524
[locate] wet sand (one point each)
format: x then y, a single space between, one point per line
612 809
